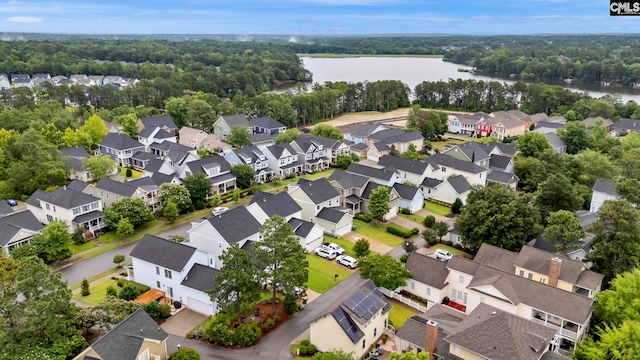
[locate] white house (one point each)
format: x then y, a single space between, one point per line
17 229
217 170
444 166
411 171
603 190
411 197
382 176
120 147
150 135
264 205
255 158
284 160
320 203
446 190
314 153
428 277
311 235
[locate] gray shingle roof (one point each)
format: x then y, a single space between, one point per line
75 152
302 228
459 183
385 134
250 152
146 132
348 180
605 186
499 161
430 182
280 203
439 160
266 122
410 166
162 252
427 270
278 149
86 217
331 215
406 191
472 150
159 121
123 342
261 138
382 174
77 185
627 124
359 146
233 120
236 224
496 257
116 187
372 186
554 140
208 162
549 125
319 190
501 177
5 209
170 146
63 197
12 224
120 142
200 277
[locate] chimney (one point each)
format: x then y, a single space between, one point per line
554 270
431 338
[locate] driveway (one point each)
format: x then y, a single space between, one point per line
183 322
404 222
374 245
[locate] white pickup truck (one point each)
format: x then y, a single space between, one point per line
335 247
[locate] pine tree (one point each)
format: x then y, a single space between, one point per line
84 288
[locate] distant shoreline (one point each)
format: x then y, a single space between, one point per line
330 55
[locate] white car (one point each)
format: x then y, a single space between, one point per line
219 210
335 247
442 255
347 261
325 253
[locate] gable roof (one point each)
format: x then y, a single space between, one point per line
499 161
185 130
318 191
251 152
77 185
439 160
63 197
594 121
120 142
627 124
162 252
123 342
236 224
280 203
116 187
348 180
410 166
501 177
159 121
549 125
430 182
12 224
301 227
200 277
5 209
496 257
233 120
459 184
554 140
75 152
385 134
406 191
266 122
372 186
278 149
427 270
472 150
331 215
371 172
605 186
499 335
209 162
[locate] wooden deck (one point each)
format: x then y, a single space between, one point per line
149 296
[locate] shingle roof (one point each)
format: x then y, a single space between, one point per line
233 120
209 162
372 186
5 209
116 187
430 182
472 150
120 142
359 146
252 152
554 140
266 122
159 121
414 330
12 224
549 125
594 121
280 203
261 138
495 257
406 191
382 174
170 146
319 190
162 252
427 270
627 124
77 185
605 186
278 149
499 335
123 342
499 161
411 166
75 152
439 160
384 134
63 197
501 176
459 184
331 215
348 180
302 228
236 224
200 277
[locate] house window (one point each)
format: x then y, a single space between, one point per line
456 348
158 284
522 273
54 208
443 169
48 208
49 218
375 332
530 276
144 355
157 270
167 273
317 207
428 291
461 279
170 291
364 343
412 284
542 280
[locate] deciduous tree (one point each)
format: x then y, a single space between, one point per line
185 353
361 248
563 228
384 270
95 128
177 109
379 202
170 212
129 124
134 209
557 193
288 136
343 161
410 355
199 186
630 190
244 174
532 144
441 229
54 243
239 136
124 227
177 194
327 131
99 166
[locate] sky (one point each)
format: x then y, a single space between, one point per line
313 17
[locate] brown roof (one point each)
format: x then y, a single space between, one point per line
447 318
190 131
461 264
594 121
498 335
510 114
427 270
496 257
534 118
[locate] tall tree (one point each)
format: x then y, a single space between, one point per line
177 109
575 136
379 202
288 136
237 285
495 215
199 186
616 246
129 124
244 174
54 243
134 209
281 256
630 190
327 131
384 270
441 229
99 166
557 193
532 144
177 194
95 128
239 136
595 165
201 114
563 228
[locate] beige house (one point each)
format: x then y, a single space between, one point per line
501 128
191 137
320 203
138 337
111 191
428 277
355 324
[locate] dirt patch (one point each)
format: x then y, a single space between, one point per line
354 119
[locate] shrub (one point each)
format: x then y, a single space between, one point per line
121 282
158 213
395 231
305 342
128 173
290 305
415 231
361 248
363 217
118 259
403 258
302 349
384 339
429 221
143 288
458 246
456 207
448 243
268 324
84 288
247 333
129 291
112 291
153 309
311 349
199 205
185 353
404 211
165 310
432 242
217 330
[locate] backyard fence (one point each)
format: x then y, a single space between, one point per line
405 300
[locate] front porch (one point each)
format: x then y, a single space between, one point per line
354 204
262 176
91 221
315 165
223 184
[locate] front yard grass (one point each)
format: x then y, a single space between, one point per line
437 208
98 292
134 173
377 231
76 248
345 244
322 271
452 250
399 314
413 217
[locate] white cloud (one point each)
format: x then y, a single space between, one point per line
23 19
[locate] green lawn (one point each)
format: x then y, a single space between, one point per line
452 250
413 217
377 231
437 208
345 244
82 247
399 314
134 173
98 293
322 271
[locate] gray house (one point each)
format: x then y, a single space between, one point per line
222 127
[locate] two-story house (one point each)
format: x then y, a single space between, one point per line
175 155
332 147
602 191
78 155
411 171
599 121
164 122
284 160
444 166
120 147
191 137
359 133
71 206
313 152
394 199
17 229
383 176
320 203
500 167
216 168
381 145
266 124
354 324
447 190
428 278
464 124
222 127
255 158
154 134
470 151
136 337
184 273
111 191
4 82
354 193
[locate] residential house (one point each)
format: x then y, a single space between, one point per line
350 187
136 337
320 203
354 324
400 143
559 147
115 80
164 122
509 114
411 171
266 124
502 128
535 120
465 124
411 197
175 154
547 127
216 234
599 121
382 176
4 82
98 80
120 147
151 135
222 127
428 278
213 144
75 77
78 155
358 133
183 273
17 229
359 149
262 140
332 147
626 125
5 209
111 191
602 191
446 191
501 163
141 160
314 154
113 127
284 160
507 179
216 168
264 205
393 203
71 206
191 137
253 157
444 166
22 82
311 235
471 151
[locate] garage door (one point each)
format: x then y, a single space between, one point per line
198 306
344 229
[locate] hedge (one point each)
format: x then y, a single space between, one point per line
395 231
141 287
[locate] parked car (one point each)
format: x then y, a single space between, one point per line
335 247
443 255
325 253
12 202
219 210
347 261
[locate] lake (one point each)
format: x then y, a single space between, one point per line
414 70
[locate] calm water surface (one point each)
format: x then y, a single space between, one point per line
413 71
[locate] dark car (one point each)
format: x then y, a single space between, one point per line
12 202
